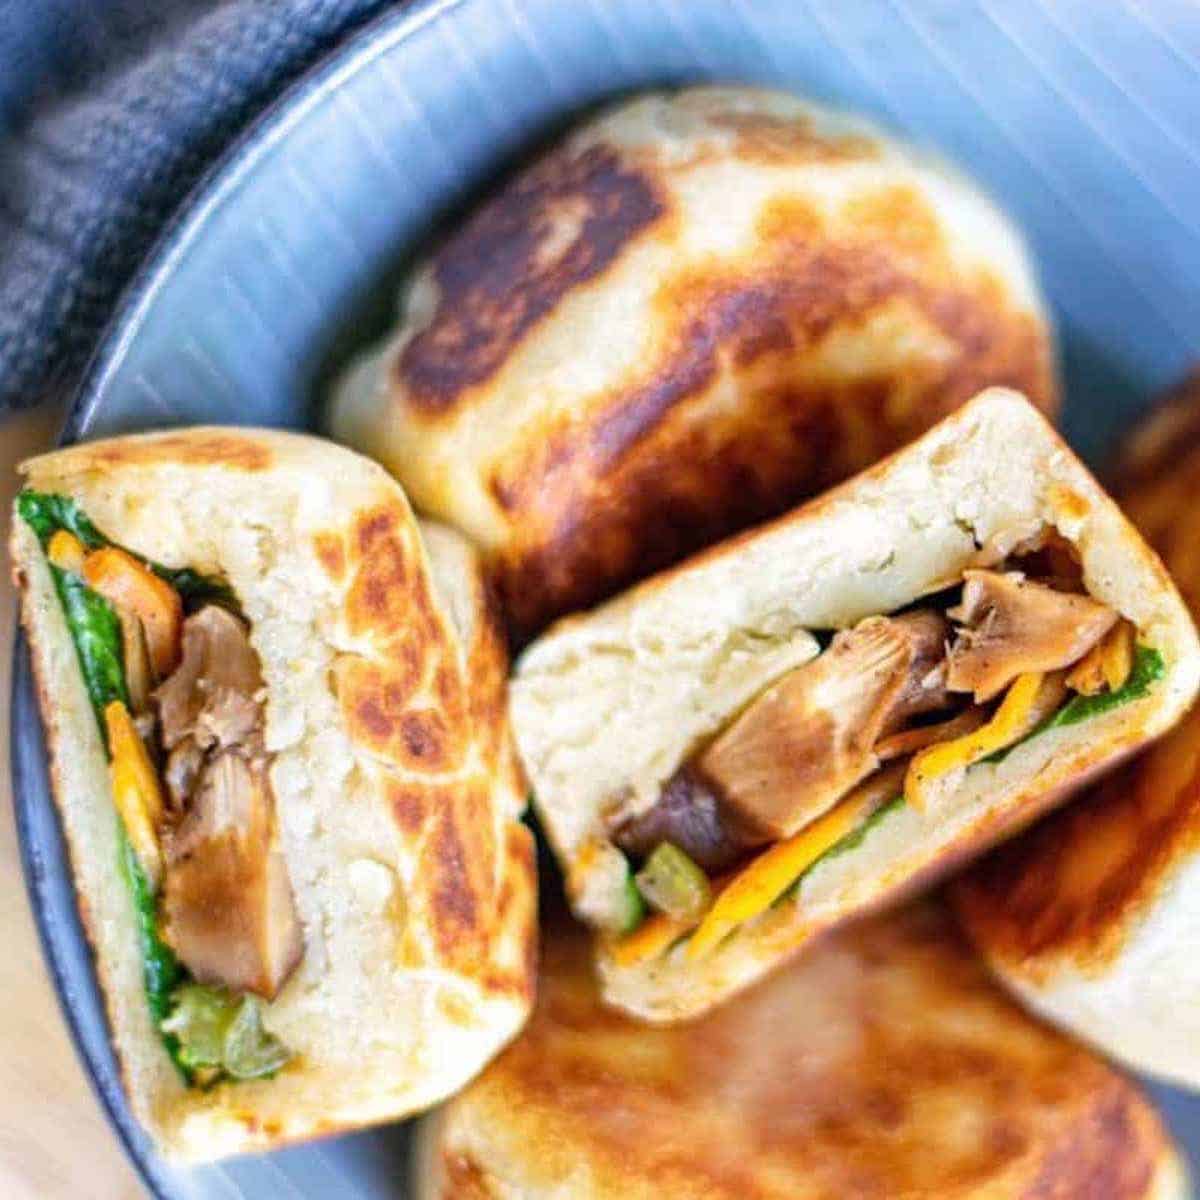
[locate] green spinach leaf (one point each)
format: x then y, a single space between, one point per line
96 632
856 837
851 841
161 970
196 589
46 513
1148 669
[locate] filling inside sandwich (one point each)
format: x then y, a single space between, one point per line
178 693
892 712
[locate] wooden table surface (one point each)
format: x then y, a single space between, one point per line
54 1137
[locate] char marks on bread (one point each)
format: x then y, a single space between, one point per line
395 785
696 310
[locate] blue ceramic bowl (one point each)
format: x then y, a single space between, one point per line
1079 117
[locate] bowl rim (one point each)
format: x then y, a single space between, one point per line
235 162
378 36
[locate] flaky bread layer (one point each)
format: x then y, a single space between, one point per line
416 970
590 727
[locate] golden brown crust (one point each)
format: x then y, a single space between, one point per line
497 279
838 1077
604 703
1069 504
1156 478
1076 886
197 448
763 137
401 793
1077 883
650 464
435 725
465 1179
640 484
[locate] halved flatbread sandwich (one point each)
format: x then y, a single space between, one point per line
1093 917
803 721
886 1064
698 309
275 708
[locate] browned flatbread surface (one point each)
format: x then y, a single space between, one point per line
395 782
884 1064
607 705
697 310
1094 914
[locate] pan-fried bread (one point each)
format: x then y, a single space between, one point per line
1094 916
396 789
698 309
606 705
885 1064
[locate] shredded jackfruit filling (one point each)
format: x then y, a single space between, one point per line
179 697
892 713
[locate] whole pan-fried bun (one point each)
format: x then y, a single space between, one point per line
885 1064
615 709
395 787
698 309
1093 917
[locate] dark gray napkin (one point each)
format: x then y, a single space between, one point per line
109 111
